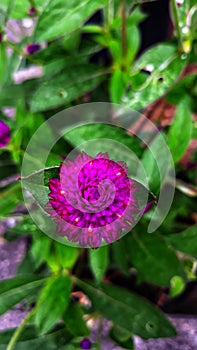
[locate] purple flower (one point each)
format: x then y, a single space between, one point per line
32 11
93 200
85 344
1 37
4 134
159 127
32 48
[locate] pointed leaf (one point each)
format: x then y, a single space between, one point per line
122 337
185 241
154 260
74 322
66 87
52 302
13 290
30 339
177 139
67 255
128 310
60 17
98 262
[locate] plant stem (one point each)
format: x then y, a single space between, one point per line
176 22
110 11
20 52
124 33
10 7
32 3
18 331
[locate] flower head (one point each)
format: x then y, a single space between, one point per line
32 48
32 11
4 134
85 344
93 200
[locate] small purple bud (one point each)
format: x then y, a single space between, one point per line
85 344
32 48
159 128
32 11
1 37
4 134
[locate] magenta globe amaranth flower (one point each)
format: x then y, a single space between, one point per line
4 134
93 200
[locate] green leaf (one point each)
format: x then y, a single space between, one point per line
122 337
40 248
27 265
37 184
163 66
117 86
30 339
66 87
128 310
3 62
74 322
184 89
155 262
99 262
84 133
116 50
153 163
60 17
9 198
119 256
185 241
67 255
13 290
133 41
136 16
177 139
52 302
25 225
177 286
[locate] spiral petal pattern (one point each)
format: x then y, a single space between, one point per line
92 200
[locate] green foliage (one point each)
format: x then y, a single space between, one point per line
178 141
177 286
128 311
119 258
66 87
154 260
80 61
52 302
9 198
74 322
185 241
122 337
70 17
13 290
161 65
31 339
99 262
